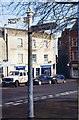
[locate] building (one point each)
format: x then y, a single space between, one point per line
68 52
16 51
2 50
73 60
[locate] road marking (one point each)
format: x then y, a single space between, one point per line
9 103
18 102
43 97
50 96
36 98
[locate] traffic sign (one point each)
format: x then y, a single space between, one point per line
45 26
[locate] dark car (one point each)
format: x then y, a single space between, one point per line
42 79
59 78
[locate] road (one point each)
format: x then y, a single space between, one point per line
12 96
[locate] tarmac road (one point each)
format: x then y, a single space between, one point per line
60 102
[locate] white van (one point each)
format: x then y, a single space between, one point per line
16 77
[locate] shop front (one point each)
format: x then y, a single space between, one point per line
20 67
46 69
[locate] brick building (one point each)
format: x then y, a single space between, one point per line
68 52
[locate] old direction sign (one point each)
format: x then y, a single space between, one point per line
45 26
18 20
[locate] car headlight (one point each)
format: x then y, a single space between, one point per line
36 80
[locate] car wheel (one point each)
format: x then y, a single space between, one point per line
50 82
55 82
16 83
39 82
64 81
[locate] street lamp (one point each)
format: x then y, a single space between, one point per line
6 42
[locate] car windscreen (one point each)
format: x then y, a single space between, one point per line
14 73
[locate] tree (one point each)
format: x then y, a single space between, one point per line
63 13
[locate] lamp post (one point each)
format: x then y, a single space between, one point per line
30 79
6 42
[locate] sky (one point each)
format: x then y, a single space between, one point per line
4 15
40 0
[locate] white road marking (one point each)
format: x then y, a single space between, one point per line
18 102
50 96
9 103
36 98
43 97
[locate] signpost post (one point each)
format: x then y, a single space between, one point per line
40 27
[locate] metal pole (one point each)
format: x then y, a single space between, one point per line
30 79
7 51
6 42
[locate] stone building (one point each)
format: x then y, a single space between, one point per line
43 54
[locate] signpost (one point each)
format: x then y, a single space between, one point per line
45 26
18 20
40 27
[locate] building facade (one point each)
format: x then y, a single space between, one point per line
43 54
68 52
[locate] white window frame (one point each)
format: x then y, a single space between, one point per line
34 59
74 42
20 42
46 58
20 58
46 44
74 55
34 43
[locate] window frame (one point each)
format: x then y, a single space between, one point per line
46 58
20 42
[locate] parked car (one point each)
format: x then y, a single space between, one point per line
42 79
59 78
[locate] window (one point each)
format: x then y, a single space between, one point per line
46 44
74 42
34 43
45 57
34 57
20 42
75 55
20 58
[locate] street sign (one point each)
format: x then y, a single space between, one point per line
45 26
18 20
